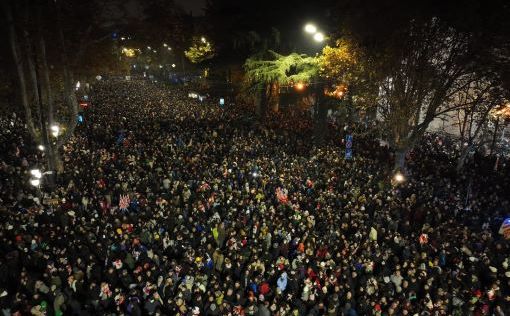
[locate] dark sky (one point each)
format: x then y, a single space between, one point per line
196 6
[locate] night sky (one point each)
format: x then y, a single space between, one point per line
196 6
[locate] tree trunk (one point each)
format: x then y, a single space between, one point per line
31 60
493 143
461 161
275 97
19 68
321 115
69 93
46 94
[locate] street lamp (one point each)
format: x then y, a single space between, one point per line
318 37
55 130
36 173
310 28
299 86
399 177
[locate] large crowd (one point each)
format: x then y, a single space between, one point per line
169 206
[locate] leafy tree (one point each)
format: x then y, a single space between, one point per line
200 50
422 56
347 65
267 72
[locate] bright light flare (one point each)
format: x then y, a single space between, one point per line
36 173
310 28
300 86
318 37
399 177
128 52
55 130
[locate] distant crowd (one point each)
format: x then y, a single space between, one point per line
170 206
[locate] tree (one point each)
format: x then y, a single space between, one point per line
423 55
474 107
347 66
266 73
200 50
44 90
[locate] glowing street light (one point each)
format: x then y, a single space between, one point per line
35 182
310 28
40 147
36 173
55 130
318 37
299 86
399 177
165 44
169 48
173 65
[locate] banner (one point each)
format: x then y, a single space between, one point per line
348 147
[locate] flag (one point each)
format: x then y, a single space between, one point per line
505 228
124 202
281 195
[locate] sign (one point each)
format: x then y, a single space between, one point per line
348 147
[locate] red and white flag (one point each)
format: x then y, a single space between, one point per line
124 202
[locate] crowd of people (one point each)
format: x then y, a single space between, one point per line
168 206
